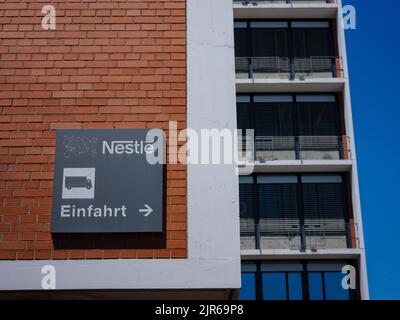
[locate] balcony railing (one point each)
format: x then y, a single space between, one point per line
256 2
270 148
290 234
297 68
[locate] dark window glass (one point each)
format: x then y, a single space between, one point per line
281 284
278 119
248 290
274 120
274 42
295 286
262 41
241 42
281 43
274 286
319 119
310 42
269 42
333 286
315 286
244 118
267 120
324 208
248 214
278 209
247 193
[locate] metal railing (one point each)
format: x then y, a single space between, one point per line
256 2
269 148
283 67
290 234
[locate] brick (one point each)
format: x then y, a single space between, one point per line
111 254
94 254
42 255
39 245
177 217
26 236
110 64
42 175
33 126
4 228
65 125
178 253
9 159
144 254
12 245
164 254
33 159
24 255
60 254
14 175
128 254
14 210
178 244
16 143
177 235
8 255
26 227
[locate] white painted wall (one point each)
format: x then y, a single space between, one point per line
213 189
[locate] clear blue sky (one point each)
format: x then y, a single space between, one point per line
374 58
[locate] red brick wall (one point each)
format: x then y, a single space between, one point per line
108 64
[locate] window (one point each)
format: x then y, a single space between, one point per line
241 41
248 291
282 286
315 285
288 127
333 287
290 48
271 115
269 39
325 281
278 209
295 280
312 39
318 118
274 286
273 120
275 38
325 209
295 286
294 212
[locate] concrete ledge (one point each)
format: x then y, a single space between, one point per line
307 10
123 274
302 166
285 85
287 254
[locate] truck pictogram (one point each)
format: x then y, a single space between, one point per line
78 182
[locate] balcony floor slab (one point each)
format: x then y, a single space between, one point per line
267 10
285 166
285 85
287 254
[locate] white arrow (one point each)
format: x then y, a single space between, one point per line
148 210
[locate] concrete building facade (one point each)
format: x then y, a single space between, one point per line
301 224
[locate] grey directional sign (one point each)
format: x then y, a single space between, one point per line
103 182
